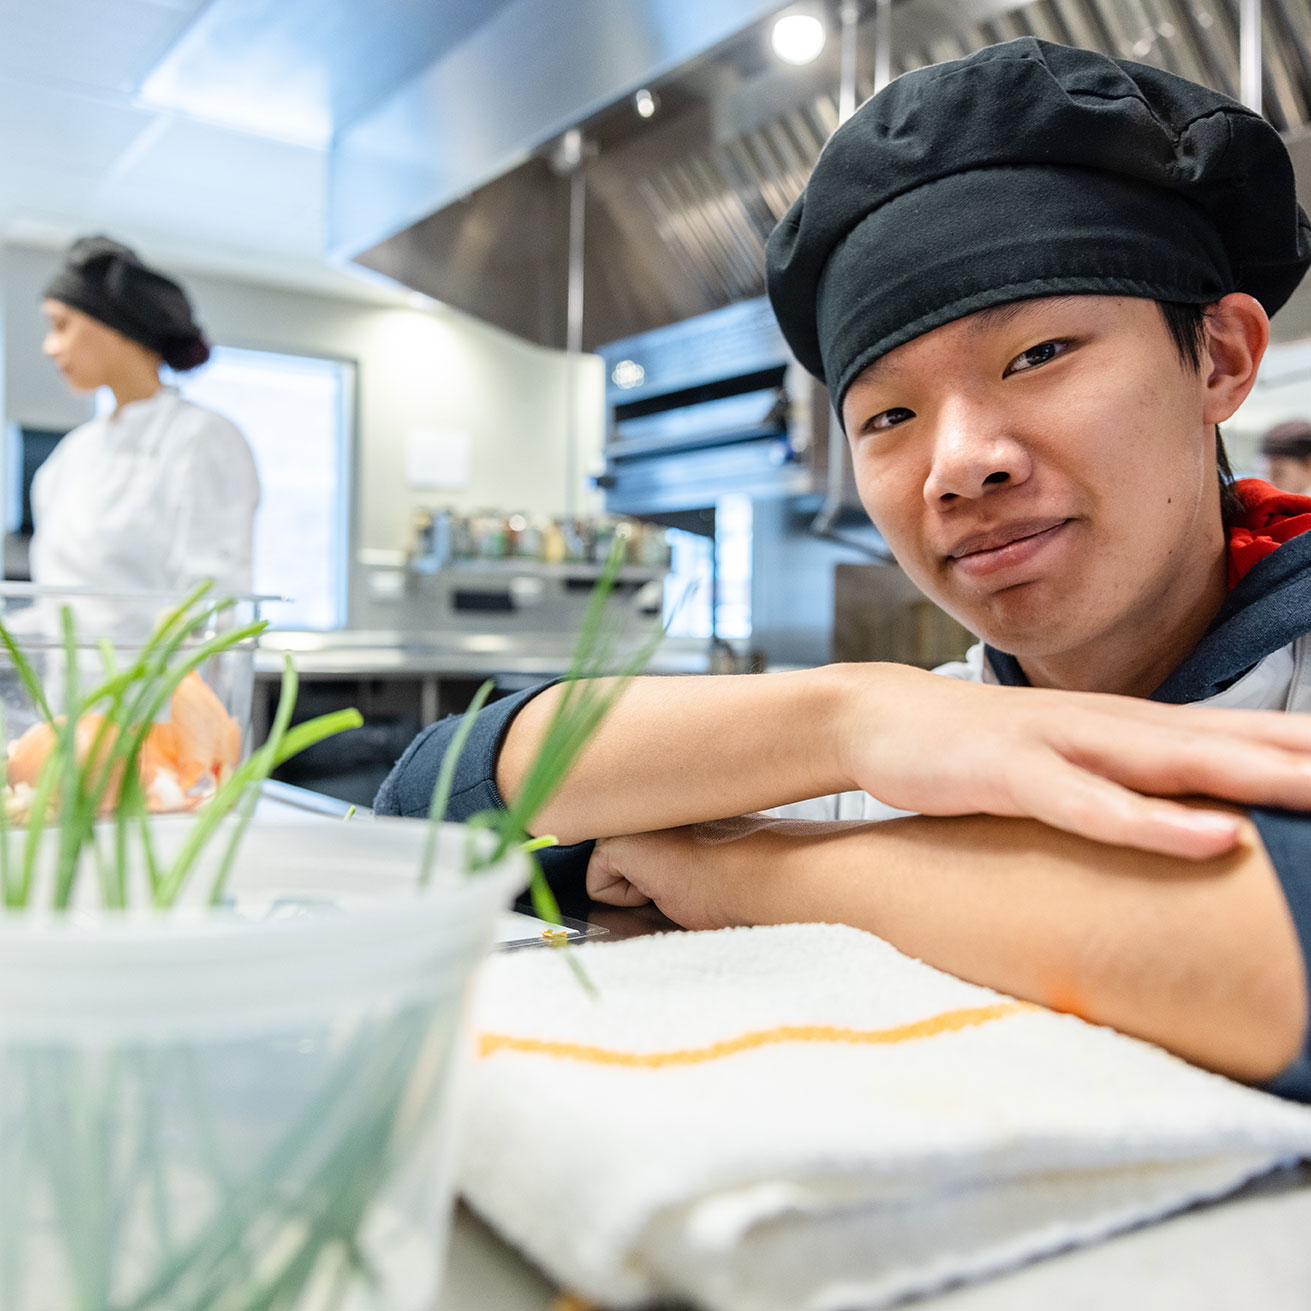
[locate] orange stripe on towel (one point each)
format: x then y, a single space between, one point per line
947 1022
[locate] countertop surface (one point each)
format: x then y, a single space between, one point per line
1249 1252
401 653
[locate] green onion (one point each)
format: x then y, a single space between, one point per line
70 794
591 687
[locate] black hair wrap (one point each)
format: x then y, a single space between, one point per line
107 280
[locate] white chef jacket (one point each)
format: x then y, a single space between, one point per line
158 495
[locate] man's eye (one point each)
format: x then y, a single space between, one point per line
889 419
1042 353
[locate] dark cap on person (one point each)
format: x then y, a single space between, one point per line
108 281
1290 438
1029 169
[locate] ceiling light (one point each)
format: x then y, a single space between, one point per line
798 38
628 374
645 103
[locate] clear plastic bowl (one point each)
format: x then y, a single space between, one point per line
209 717
217 1110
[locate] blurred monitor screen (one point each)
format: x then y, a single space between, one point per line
34 446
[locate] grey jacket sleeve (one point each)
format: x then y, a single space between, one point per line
1287 838
407 790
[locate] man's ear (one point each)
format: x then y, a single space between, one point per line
1237 333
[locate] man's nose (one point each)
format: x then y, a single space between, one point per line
974 451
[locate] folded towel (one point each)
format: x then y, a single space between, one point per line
800 1118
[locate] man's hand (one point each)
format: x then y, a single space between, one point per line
706 876
666 867
1087 763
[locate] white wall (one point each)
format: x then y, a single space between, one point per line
415 368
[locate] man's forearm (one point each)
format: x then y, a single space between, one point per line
678 750
1200 958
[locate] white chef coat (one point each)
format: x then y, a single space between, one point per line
158 495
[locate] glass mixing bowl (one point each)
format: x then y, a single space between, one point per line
199 735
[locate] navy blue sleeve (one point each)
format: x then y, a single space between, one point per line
1287 838
407 790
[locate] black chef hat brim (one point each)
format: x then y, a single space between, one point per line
1029 169
976 240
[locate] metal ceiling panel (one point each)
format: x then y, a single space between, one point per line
41 125
304 69
536 68
181 177
104 44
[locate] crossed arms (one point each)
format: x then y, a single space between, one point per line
1180 933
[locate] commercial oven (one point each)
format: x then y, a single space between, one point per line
711 406
712 413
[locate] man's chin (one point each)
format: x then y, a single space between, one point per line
1030 620
1035 631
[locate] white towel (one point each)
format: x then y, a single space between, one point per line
801 1118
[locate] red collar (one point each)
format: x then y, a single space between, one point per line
1269 519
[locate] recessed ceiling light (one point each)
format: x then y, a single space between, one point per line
628 374
645 102
798 38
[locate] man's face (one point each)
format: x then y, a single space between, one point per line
1290 473
1044 471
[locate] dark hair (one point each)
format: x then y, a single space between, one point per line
183 353
107 280
1290 439
1187 327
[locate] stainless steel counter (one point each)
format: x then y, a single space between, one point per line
402 681
368 653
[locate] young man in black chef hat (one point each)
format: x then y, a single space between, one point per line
1034 281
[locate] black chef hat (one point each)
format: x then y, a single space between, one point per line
108 281
1029 169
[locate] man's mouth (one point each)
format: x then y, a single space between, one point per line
1003 535
1005 545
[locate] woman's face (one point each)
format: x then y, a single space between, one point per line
88 353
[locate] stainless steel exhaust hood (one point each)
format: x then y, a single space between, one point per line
678 207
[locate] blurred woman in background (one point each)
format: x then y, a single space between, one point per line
1287 451
159 493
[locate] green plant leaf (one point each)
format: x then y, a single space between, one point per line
23 667
262 761
589 691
